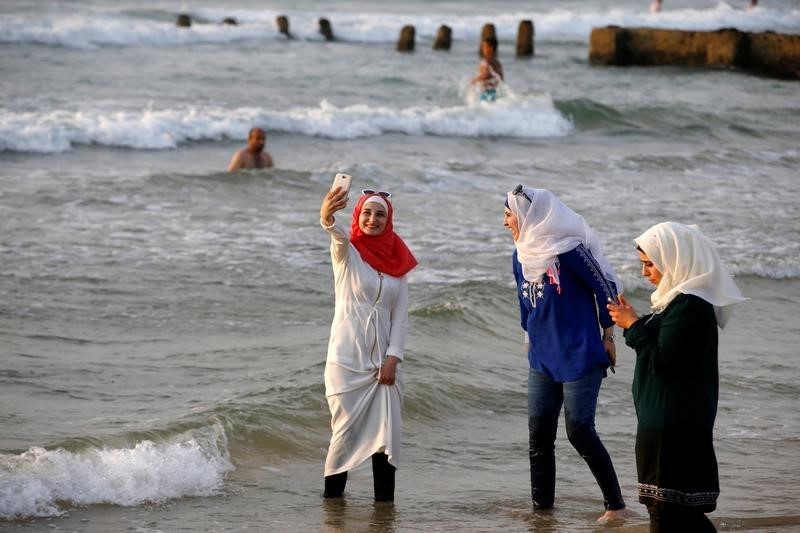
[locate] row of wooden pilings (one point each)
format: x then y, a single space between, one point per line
443 40
407 39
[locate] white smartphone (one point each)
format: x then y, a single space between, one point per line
342 180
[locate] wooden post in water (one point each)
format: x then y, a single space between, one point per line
283 25
525 39
444 38
406 41
487 31
183 21
325 29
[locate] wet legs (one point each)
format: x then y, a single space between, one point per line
383 475
334 485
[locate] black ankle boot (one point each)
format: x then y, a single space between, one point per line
383 475
334 485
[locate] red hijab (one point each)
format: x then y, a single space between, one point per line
386 252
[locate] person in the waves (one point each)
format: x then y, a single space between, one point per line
490 71
254 155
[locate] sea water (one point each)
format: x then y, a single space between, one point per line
163 325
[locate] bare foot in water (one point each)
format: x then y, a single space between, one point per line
614 516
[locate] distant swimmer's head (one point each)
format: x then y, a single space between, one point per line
256 140
488 46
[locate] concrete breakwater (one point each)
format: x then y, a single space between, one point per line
768 53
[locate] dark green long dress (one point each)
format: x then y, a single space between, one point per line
675 391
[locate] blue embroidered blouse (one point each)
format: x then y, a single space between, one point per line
562 321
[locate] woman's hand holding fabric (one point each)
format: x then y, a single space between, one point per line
388 371
623 314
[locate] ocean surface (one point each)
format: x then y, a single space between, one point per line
163 325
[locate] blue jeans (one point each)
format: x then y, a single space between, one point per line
545 398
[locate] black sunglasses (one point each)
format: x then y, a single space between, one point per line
382 193
518 190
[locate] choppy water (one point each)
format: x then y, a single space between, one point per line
163 325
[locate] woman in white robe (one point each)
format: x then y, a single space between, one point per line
363 371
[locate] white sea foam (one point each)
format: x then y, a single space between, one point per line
40 482
91 31
124 29
58 131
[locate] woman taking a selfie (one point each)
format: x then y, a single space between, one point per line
363 371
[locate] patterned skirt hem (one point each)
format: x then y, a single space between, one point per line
654 493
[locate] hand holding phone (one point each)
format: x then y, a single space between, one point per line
621 312
333 202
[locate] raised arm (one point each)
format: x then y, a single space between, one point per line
335 200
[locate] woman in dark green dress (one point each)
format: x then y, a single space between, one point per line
676 380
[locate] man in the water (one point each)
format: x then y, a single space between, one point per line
254 155
490 71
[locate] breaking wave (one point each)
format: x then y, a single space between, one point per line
149 129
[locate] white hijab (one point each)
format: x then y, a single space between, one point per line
689 264
548 228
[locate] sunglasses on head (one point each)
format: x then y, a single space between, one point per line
518 191
382 193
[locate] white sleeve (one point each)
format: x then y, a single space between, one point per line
399 327
340 242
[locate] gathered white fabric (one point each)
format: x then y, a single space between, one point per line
547 228
369 324
689 264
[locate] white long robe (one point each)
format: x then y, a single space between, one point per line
369 323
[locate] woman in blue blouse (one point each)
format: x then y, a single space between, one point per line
563 283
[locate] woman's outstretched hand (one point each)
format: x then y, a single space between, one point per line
623 314
334 201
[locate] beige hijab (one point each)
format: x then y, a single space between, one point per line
689 264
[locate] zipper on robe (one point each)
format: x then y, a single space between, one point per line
375 326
